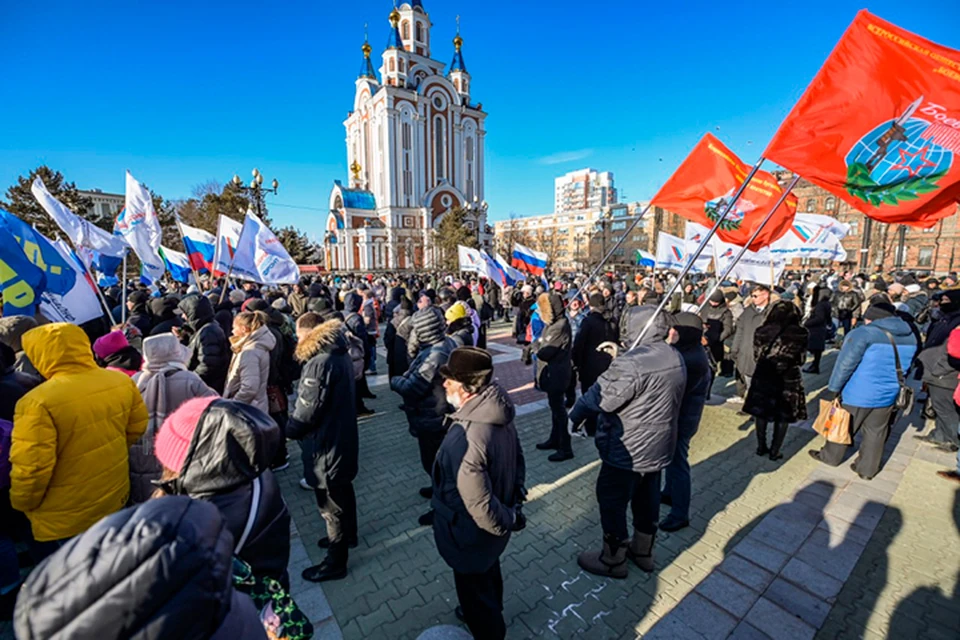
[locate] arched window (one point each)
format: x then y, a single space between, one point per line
468 147
405 27
400 62
456 85
439 148
391 65
831 204
406 145
811 205
419 32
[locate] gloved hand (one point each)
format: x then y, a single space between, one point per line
830 396
575 430
520 520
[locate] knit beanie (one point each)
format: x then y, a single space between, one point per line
236 296
176 434
879 311
109 344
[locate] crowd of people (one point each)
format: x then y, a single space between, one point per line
120 444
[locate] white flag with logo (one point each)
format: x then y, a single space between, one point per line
694 235
261 257
761 267
812 236
228 235
81 232
470 259
140 227
78 305
672 253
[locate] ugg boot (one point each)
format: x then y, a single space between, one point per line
611 561
641 550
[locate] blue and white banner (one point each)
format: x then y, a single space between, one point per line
693 237
261 257
812 236
672 253
646 259
81 232
228 235
762 267
140 227
177 264
21 281
105 266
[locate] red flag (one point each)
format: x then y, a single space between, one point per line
879 126
700 189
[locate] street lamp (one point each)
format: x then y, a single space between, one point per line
256 189
477 210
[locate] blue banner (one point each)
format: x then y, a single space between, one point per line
21 281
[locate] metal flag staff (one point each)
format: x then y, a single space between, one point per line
233 257
196 276
123 290
743 250
696 254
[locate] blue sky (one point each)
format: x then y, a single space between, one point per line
185 92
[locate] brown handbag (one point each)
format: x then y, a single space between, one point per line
833 423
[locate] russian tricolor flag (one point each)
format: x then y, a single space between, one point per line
176 263
200 245
525 258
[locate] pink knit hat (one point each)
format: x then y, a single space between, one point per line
173 440
109 344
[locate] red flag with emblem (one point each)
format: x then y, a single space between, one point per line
701 188
879 126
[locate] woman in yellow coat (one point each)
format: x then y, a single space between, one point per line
71 435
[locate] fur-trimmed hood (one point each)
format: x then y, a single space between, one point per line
327 336
550 307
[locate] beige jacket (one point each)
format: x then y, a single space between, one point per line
250 368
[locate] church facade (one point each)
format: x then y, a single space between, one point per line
415 150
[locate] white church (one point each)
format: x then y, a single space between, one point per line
415 151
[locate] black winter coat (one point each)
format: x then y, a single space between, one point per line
699 379
395 337
719 322
325 413
13 384
140 318
161 569
741 351
816 324
232 447
354 321
554 346
477 477
776 392
637 400
522 320
590 363
209 348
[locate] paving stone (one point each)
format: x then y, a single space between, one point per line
672 628
445 632
781 534
798 602
812 580
745 631
837 562
704 617
777 623
727 593
767 557
745 572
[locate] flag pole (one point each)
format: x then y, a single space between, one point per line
743 250
93 281
696 254
196 276
622 239
123 291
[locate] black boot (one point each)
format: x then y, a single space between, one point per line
329 569
546 446
779 434
324 543
761 428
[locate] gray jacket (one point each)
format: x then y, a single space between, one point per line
250 369
477 477
741 351
637 400
163 392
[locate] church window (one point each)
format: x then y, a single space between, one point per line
406 30
406 143
456 85
392 65
468 145
831 203
400 63
419 32
811 205
439 141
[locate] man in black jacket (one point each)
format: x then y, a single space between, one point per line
719 325
325 418
590 363
421 388
477 488
554 369
637 405
686 336
354 323
138 314
209 350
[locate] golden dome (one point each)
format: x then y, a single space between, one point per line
458 42
366 48
394 17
